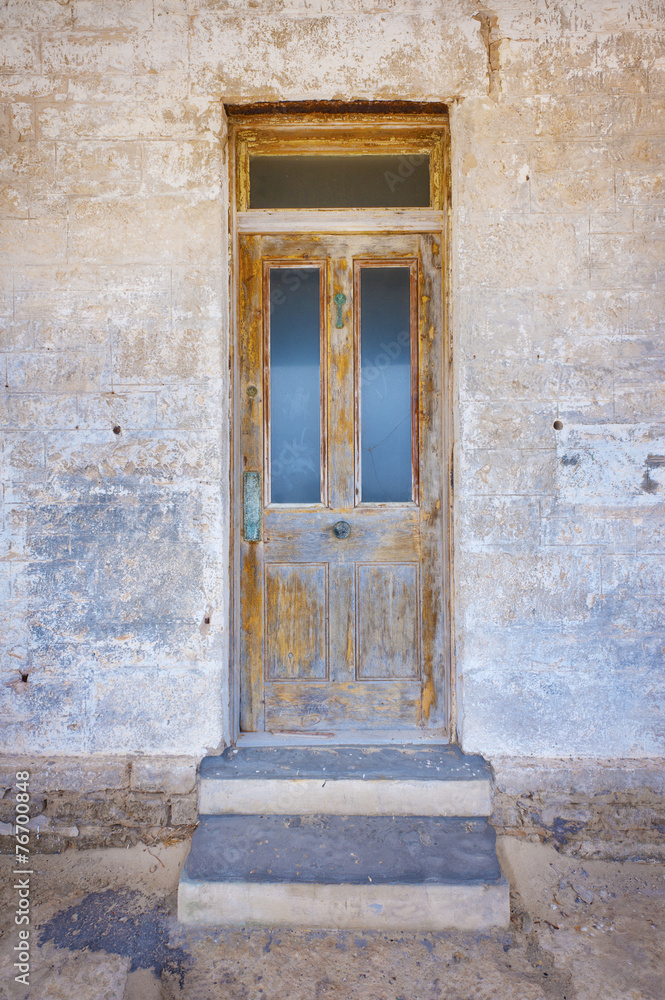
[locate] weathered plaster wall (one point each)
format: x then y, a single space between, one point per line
113 332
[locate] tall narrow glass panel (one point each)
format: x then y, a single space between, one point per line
295 385
385 384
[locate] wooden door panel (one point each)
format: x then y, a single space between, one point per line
296 632
324 707
378 535
387 621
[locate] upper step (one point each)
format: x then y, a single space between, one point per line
346 780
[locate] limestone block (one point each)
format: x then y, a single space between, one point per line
21 120
579 326
485 522
568 191
542 378
543 586
127 50
32 241
513 710
501 472
13 201
182 165
75 371
19 52
521 251
6 297
493 322
582 526
44 410
545 65
22 454
156 710
636 187
610 465
77 774
127 410
371 56
109 14
622 221
494 176
109 808
634 575
194 406
146 230
630 613
590 411
47 715
625 60
13 531
546 116
60 320
174 775
28 162
160 455
17 86
167 87
124 120
502 424
184 812
187 352
198 294
651 533
87 168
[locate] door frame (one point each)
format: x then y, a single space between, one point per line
375 126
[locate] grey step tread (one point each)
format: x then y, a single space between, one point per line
404 763
340 850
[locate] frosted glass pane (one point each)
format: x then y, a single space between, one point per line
385 384
295 385
372 181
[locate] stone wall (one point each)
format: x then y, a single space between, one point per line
109 802
114 352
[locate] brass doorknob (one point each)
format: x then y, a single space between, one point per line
342 529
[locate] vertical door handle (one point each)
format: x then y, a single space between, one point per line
340 299
251 507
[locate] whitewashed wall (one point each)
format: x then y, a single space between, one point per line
113 314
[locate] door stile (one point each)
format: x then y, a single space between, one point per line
342 608
433 508
340 363
251 416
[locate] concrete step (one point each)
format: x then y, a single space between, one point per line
350 781
357 872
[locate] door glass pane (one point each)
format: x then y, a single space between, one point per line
385 384
295 385
371 181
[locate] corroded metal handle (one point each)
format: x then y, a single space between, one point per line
340 299
342 529
251 521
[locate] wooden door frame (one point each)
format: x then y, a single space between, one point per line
364 123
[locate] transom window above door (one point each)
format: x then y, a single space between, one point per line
339 165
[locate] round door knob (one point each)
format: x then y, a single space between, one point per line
342 529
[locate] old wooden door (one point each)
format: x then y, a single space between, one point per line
342 535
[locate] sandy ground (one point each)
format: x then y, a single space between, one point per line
104 928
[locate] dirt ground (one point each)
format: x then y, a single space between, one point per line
104 928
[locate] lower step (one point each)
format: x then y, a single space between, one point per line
373 873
